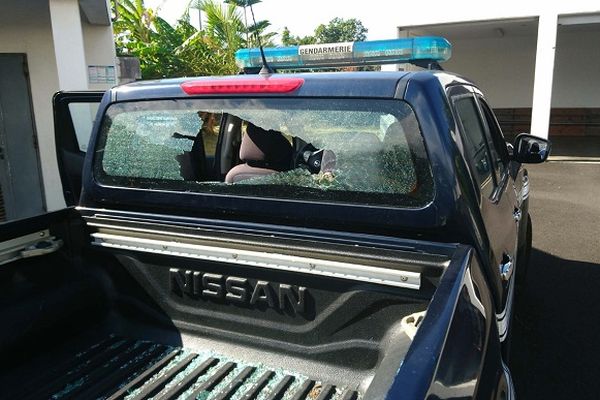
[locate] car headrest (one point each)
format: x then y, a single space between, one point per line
269 146
394 135
249 151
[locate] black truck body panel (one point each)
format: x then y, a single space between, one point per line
159 294
346 334
442 220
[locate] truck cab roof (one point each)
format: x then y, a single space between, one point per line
426 203
363 84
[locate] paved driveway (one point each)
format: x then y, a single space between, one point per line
556 344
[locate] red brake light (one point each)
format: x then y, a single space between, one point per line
237 86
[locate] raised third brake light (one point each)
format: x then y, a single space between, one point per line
241 84
374 52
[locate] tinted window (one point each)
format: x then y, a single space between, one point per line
83 115
498 144
475 142
371 151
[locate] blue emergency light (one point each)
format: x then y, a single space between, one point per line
392 51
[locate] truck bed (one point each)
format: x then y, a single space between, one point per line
124 368
123 322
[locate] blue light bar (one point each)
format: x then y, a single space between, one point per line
392 51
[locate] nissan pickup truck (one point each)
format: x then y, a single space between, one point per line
330 236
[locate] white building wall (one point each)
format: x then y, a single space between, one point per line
30 33
68 44
429 13
502 67
26 28
561 73
99 49
577 69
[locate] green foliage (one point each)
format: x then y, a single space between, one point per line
259 31
337 30
134 22
183 50
341 30
288 40
223 23
242 3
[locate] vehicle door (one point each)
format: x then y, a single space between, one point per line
489 166
74 115
506 197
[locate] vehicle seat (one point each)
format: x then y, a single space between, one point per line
193 166
263 153
399 136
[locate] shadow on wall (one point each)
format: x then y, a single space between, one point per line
575 146
556 349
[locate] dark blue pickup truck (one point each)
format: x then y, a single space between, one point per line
344 235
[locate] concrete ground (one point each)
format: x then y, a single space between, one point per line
555 351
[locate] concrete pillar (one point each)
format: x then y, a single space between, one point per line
69 47
544 70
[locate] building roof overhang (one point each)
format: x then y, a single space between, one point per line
97 12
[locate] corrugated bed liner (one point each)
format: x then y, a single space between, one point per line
119 368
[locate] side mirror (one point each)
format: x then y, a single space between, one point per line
531 149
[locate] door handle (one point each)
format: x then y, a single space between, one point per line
517 214
506 268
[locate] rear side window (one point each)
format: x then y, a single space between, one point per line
498 144
475 142
353 151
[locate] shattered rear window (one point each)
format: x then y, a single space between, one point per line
340 150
